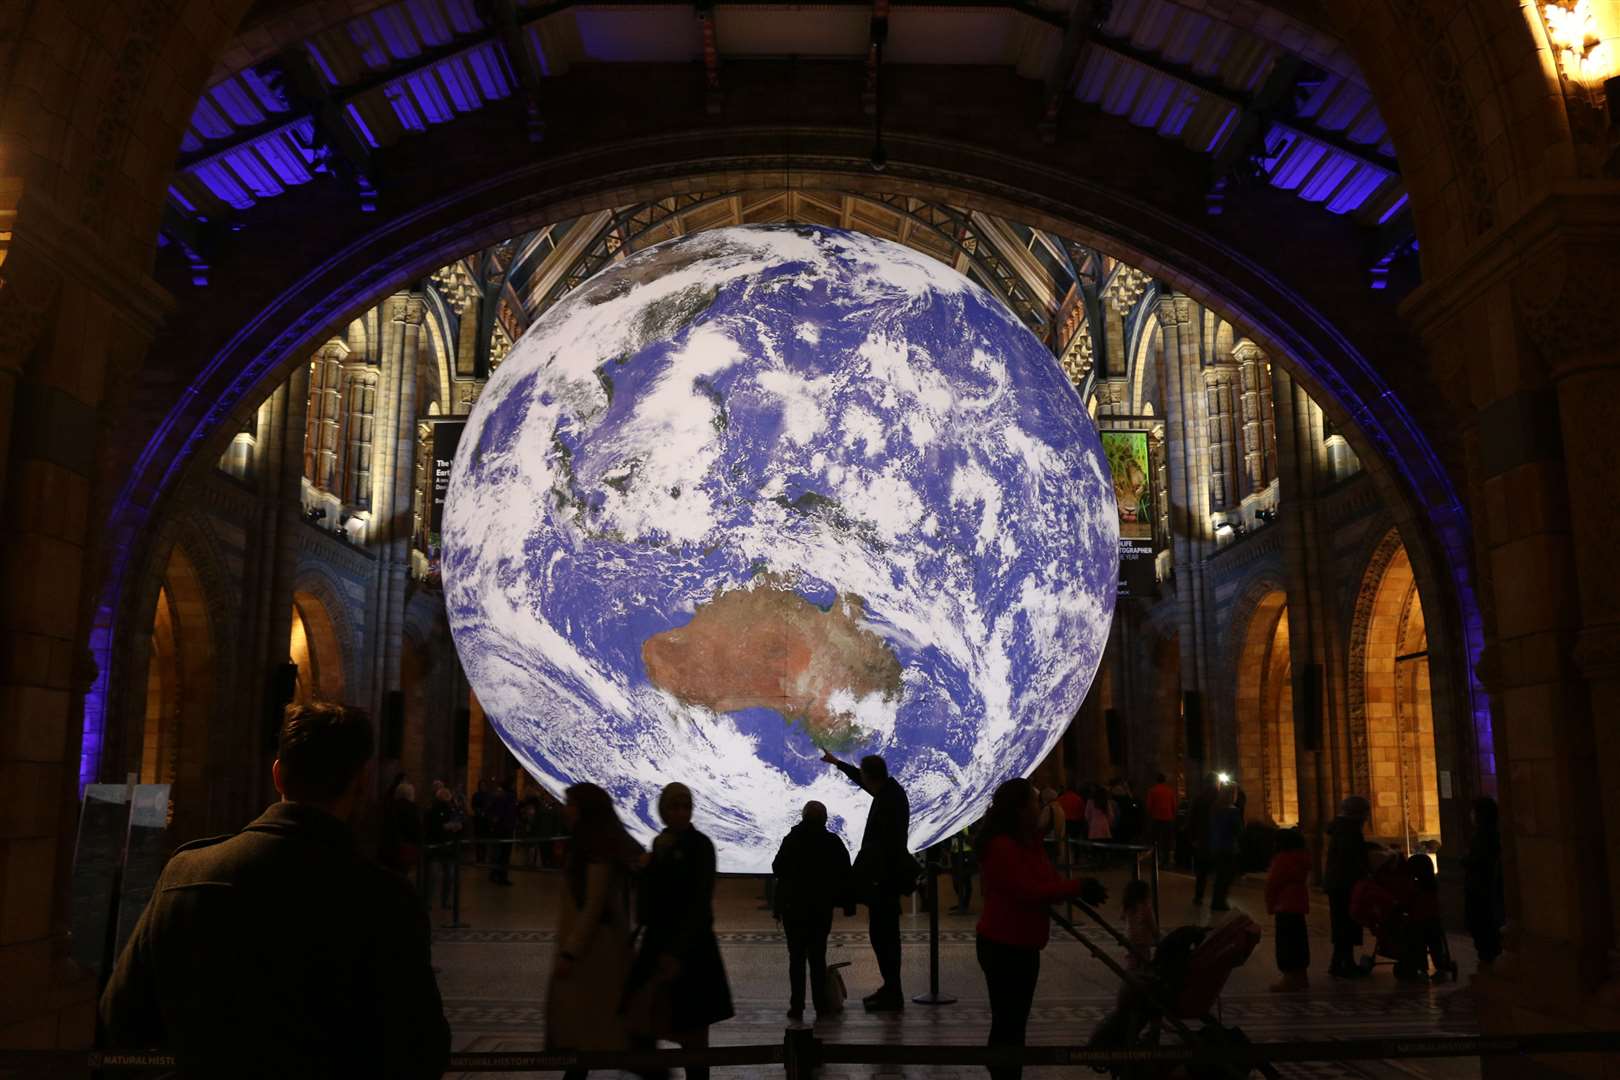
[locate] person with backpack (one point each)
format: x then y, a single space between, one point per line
812 878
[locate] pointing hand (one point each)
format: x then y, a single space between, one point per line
827 756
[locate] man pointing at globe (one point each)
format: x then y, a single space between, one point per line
884 870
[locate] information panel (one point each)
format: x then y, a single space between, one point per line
145 853
103 828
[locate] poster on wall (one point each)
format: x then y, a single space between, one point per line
446 437
1127 453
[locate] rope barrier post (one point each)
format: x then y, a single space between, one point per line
933 997
800 1053
1153 873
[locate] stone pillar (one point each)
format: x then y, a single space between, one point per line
1192 538
265 636
1534 356
325 415
1319 761
1220 398
72 330
392 483
359 421
1258 434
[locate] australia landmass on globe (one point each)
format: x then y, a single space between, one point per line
768 647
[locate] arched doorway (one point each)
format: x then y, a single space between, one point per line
180 677
316 649
1266 766
1390 661
159 730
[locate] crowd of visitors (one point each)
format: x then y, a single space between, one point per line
637 959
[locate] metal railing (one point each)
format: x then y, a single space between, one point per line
801 1053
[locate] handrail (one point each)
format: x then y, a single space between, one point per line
800 1053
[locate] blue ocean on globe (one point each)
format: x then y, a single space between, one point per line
761 492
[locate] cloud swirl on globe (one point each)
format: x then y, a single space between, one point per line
760 492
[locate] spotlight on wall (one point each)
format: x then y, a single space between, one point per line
1224 777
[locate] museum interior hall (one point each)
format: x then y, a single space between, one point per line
1196 404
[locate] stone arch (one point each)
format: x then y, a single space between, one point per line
1144 372
328 670
1262 701
315 650
1391 699
1400 462
174 642
179 748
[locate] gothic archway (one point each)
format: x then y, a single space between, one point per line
1264 709
181 675
1392 710
317 649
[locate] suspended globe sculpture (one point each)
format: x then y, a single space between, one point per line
758 493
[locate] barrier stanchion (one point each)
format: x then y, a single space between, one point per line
1154 884
933 997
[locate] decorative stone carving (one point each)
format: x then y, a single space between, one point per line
1435 52
1560 299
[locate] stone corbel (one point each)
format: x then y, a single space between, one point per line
1563 307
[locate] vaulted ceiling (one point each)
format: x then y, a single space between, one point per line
319 89
1055 286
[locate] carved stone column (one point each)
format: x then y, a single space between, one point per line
359 421
393 482
325 415
1220 406
1320 760
1525 334
1564 303
1259 435
1192 538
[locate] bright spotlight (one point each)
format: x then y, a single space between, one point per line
1224 777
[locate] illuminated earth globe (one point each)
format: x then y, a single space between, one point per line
757 493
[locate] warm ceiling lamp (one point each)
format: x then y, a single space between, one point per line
1586 54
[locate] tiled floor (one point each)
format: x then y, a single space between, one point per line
493 978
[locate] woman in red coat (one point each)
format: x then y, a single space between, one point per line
1019 884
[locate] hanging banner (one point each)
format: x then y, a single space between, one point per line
1128 459
446 437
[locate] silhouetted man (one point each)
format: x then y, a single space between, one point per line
281 951
812 878
884 870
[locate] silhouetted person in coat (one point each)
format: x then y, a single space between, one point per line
1345 866
884 870
281 951
812 878
1483 895
678 970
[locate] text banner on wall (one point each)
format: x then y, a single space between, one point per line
446 437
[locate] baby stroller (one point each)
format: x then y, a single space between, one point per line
1181 983
1392 908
